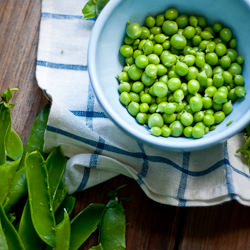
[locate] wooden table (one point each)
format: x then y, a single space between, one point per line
150 226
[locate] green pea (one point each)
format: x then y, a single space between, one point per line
223 89
232 53
227 107
161 107
240 60
240 91
199 116
168 119
123 77
137 53
141 118
155 120
161 70
189 60
133 30
148 47
217 106
239 80
235 69
206 35
196 103
171 14
202 78
158 48
208 120
156 131
186 119
200 61
217 27
141 61
133 108
187 132
178 95
198 132
196 40
125 98
189 32
134 72
193 86
153 59
150 21
151 70
219 116
192 73
163 78
226 34
181 68
202 21
209 112
124 87
174 84
144 32
184 88
160 38
182 21
170 108
193 20
148 81
232 96
166 44
168 60
220 97
203 45
220 49
165 131
137 87
128 40
170 27
159 19
130 60
225 61
160 89
136 43
208 70
218 80
212 58
176 128
178 41
228 78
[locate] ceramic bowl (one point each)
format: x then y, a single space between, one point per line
105 62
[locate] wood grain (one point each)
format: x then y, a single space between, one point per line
150 226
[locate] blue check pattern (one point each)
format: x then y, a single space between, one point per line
64 77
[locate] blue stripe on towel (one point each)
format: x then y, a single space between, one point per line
90 107
92 164
59 16
144 169
229 176
183 181
157 159
64 16
61 65
82 113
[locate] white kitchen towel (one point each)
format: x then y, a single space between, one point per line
98 149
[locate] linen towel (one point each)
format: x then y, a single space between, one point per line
98 149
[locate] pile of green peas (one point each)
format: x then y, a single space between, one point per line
181 76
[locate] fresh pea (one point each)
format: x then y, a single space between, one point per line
63 233
55 163
7 173
27 231
14 145
113 226
84 224
40 198
68 204
12 238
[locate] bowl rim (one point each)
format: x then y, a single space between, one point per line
193 144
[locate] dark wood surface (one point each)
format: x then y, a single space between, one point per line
150 226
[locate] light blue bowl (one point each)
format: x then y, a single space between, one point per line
104 62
